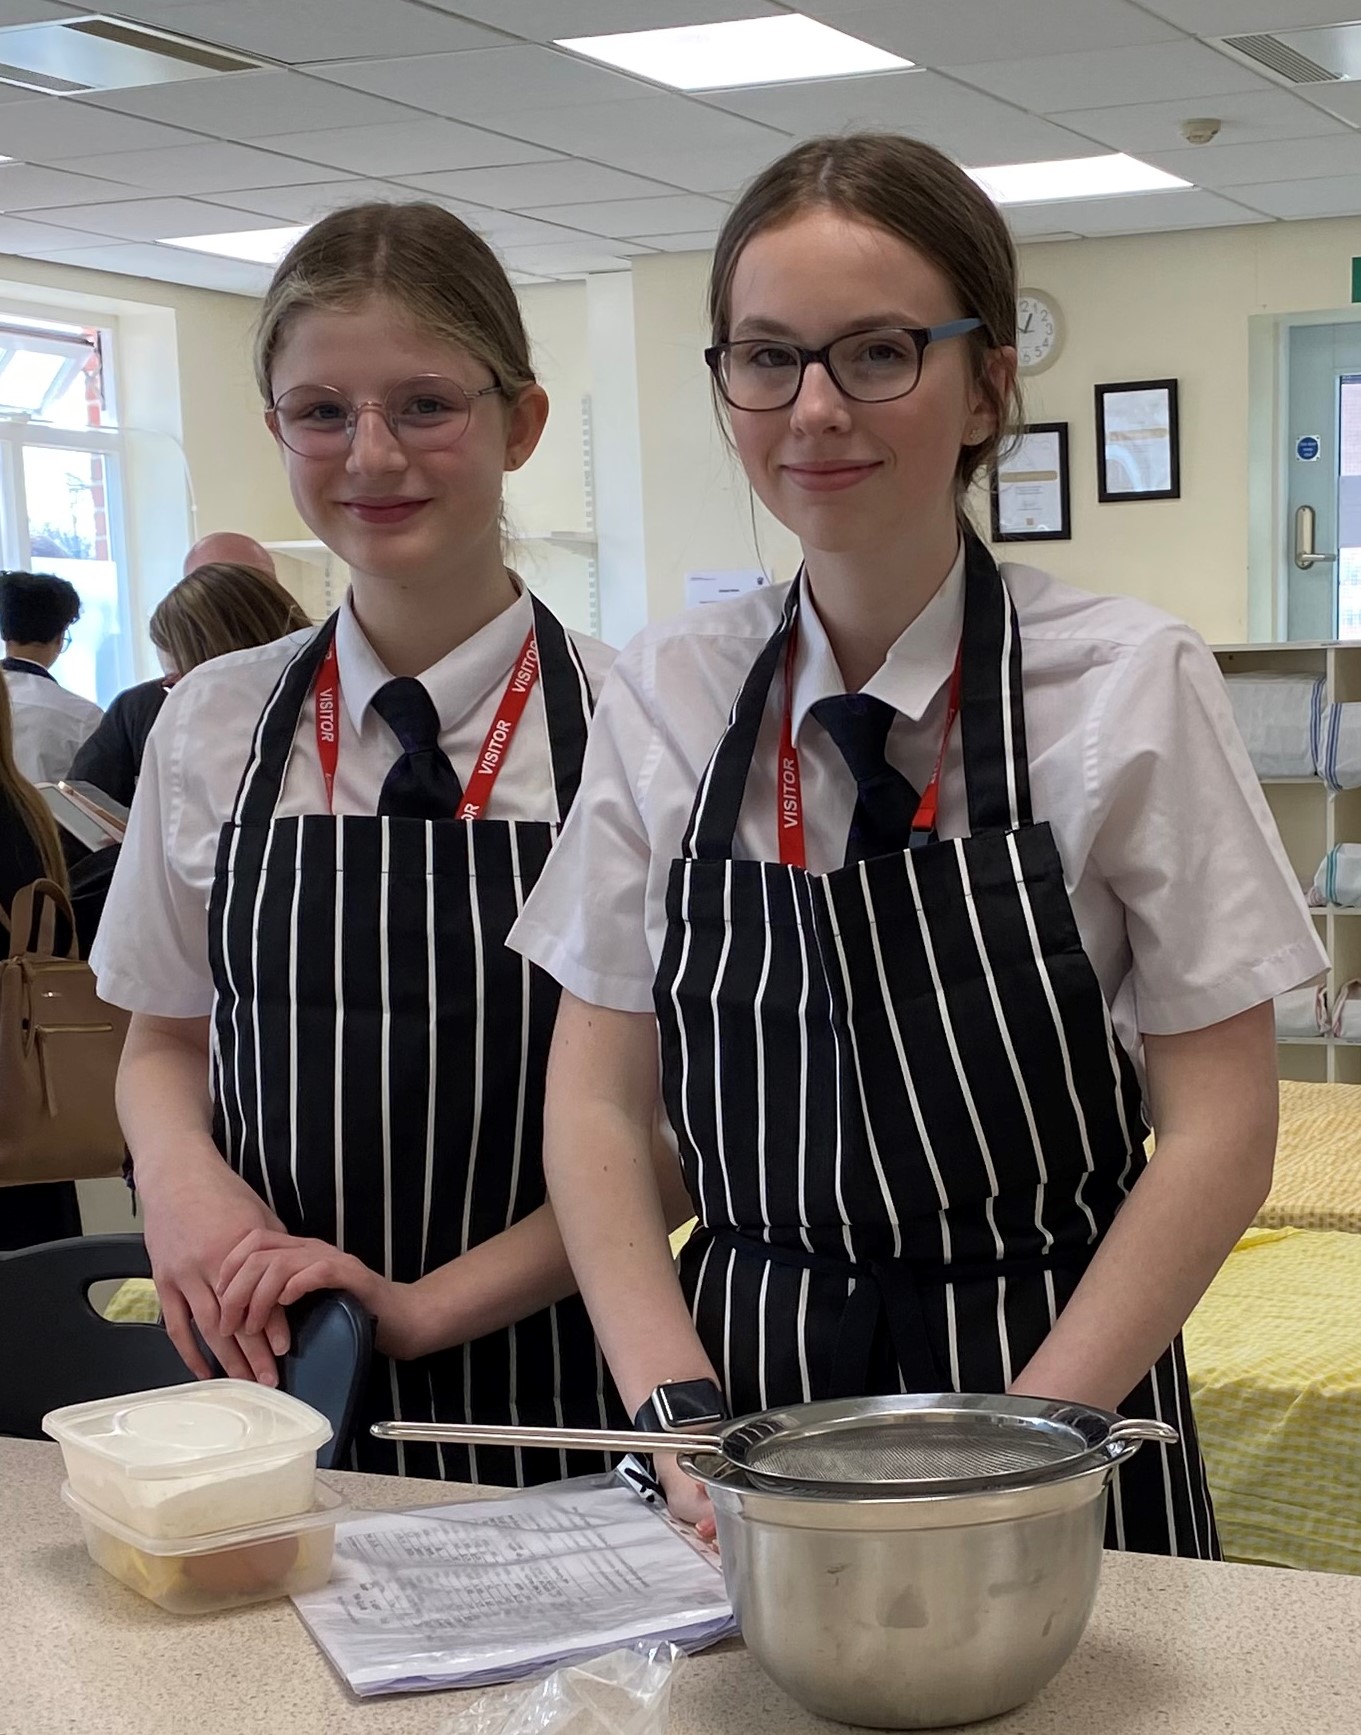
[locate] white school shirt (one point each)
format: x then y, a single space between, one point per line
1181 890
151 954
50 725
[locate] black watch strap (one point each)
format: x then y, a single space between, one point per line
681 1405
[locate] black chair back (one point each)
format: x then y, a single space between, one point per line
56 1349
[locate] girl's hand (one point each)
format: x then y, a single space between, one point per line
268 1269
685 1499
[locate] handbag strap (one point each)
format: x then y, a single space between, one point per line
48 901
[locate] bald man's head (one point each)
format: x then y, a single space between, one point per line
229 548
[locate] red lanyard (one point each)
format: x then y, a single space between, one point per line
789 796
494 748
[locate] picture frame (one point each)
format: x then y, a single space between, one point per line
1028 489
1138 441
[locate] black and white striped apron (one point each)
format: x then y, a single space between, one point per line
903 1113
379 1059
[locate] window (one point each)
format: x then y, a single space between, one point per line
60 486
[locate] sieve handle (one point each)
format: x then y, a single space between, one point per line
1133 1431
589 1439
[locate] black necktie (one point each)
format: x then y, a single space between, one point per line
422 784
886 803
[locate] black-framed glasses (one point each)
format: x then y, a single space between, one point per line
870 367
427 413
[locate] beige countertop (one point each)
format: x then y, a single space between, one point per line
1174 1648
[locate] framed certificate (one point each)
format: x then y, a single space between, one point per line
1138 444
1029 487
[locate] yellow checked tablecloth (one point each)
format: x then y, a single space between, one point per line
1274 1354
1317 1184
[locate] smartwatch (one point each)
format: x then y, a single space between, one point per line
681 1407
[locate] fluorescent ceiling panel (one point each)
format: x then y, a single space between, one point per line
1072 178
256 246
744 52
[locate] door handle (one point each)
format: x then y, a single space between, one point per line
1305 553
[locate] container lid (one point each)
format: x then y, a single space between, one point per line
208 1427
328 1508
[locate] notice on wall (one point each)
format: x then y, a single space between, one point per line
704 587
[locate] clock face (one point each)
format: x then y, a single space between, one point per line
1038 337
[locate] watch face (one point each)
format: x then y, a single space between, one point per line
1037 331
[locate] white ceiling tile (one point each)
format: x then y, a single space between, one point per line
624 217
49 129
1235 17
701 241
510 229
566 258
654 125
1133 214
170 265
509 83
196 168
969 125
1242 165
954 32
1057 82
528 184
1343 100
1249 117
22 235
302 204
549 20
32 12
26 188
322 29
247 105
427 145
1331 196
154 219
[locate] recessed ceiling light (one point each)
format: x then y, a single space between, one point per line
1072 178
255 246
746 51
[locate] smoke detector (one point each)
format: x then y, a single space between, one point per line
1202 131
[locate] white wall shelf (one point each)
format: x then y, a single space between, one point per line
1312 818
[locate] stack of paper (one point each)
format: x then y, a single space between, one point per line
495 1590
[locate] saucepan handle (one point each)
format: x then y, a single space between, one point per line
1131 1432
558 1439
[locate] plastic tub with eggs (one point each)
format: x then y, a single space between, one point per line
193 1575
194 1460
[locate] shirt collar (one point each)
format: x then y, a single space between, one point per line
458 683
917 666
22 666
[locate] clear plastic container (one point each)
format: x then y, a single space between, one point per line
194 1575
190 1460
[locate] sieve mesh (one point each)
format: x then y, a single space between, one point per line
911 1448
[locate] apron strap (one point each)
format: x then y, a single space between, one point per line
262 780
568 703
718 800
992 710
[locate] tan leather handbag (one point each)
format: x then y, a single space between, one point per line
59 1051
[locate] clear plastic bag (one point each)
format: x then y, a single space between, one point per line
626 1692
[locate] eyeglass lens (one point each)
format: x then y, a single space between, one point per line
870 366
426 413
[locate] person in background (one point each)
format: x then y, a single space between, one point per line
229 548
334 1074
218 608
29 850
37 612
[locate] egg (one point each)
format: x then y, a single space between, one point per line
260 1566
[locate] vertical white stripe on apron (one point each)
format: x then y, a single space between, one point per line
255 1020
948 1031
234 1003
687 1074
1003 1029
1184 1458
512 1352
761 1075
800 889
802 1328
475 1133
1118 1508
337 1123
714 993
434 1417
699 1283
761 1337
432 1045
1042 970
1003 1335
385 1036
293 1020
1004 677
1162 1458
890 1206
838 1154
518 1152
727 1321
397 1415
1113 1050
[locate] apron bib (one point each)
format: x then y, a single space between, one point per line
379 1060
903 1113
